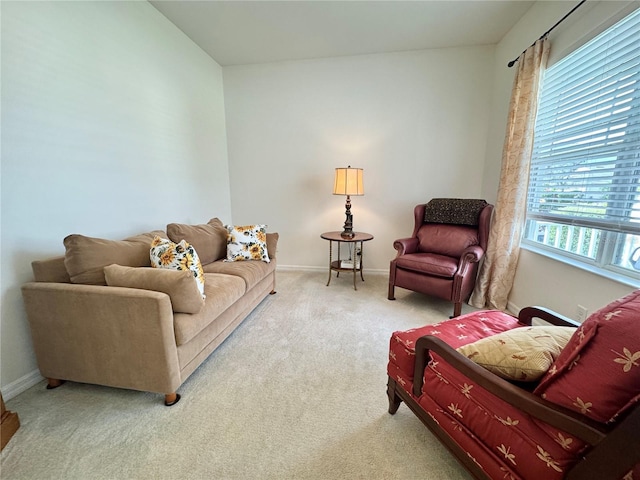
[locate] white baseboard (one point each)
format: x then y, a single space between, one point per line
512 308
20 385
300 268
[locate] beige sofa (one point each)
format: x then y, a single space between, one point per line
88 325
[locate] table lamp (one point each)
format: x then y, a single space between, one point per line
348 182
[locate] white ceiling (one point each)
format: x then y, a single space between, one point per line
236 32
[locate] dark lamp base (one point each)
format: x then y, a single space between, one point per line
347 229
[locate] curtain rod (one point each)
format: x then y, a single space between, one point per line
512 62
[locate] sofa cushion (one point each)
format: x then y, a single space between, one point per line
247 242
222 291
209 240
598 372
180 285
250 272
177 256
86 257
528 448
524 354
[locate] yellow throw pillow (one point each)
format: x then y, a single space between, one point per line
180 285
524 354
177 256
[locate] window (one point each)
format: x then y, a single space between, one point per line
583 201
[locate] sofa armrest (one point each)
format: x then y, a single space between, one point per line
119 337
272 244
405 245
554 415
527 314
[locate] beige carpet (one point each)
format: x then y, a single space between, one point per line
296 392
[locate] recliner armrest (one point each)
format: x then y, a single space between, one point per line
554 415
406 245
472 254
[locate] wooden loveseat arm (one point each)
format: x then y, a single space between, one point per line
556 416
527 315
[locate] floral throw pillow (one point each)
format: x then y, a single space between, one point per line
248 242
177 256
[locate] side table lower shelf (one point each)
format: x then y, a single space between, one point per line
335 266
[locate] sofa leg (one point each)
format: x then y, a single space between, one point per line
171 399
394 399
457 310
53 383
392 292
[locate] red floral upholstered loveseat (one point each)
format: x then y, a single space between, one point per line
547 403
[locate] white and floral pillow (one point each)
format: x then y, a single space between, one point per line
248 242
177 256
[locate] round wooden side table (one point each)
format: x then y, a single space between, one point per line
355 265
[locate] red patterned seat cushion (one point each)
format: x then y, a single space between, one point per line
524 447
456 332
598 372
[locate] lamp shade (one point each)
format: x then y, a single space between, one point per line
348 181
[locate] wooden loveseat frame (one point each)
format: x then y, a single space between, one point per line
612 452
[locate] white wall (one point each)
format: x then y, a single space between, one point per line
112 124
415 121
540 280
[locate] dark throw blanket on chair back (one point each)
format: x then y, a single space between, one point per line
458 211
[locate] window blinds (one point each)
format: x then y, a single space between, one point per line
585 167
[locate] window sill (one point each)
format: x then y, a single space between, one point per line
594 269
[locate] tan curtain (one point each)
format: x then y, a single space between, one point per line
498 270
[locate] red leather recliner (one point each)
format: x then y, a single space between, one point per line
442 255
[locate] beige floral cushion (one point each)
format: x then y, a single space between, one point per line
524 354
248 242
177 256
180 285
